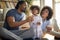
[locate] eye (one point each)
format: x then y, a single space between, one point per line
43 12
46 11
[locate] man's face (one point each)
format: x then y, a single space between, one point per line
23 6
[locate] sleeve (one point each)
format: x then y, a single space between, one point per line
57 34
41 20
24 18
49 23
10 13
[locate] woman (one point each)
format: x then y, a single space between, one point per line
46 14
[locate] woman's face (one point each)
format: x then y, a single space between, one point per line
34 11
45 13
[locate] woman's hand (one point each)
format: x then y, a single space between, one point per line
49 29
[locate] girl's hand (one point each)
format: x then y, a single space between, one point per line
38 23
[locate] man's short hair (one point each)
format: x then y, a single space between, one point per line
19 3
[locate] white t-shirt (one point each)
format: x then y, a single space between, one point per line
37 28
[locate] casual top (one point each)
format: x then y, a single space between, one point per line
37 28
17 17
45 24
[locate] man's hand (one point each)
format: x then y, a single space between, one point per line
29 19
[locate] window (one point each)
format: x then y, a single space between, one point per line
48 3
57 12
1 14
36 2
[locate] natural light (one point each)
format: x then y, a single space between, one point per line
36 2
57 11
49 3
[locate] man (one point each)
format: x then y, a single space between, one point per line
14 18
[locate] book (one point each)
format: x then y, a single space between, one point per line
12 5
5 0
10 0
1 15
1 5
8 4
4 5
15 4
15 0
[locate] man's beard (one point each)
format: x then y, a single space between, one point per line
23 10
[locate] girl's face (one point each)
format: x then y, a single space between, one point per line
34 11
45 13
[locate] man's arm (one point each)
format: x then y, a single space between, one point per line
12 23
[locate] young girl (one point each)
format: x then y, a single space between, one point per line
36 23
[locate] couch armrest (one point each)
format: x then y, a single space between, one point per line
9 35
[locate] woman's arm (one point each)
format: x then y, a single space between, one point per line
54 33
